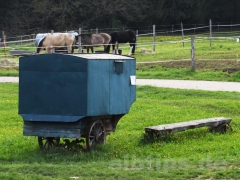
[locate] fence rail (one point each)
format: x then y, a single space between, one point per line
209 32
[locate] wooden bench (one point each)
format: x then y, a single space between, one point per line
218 124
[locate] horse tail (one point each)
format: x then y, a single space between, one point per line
40 44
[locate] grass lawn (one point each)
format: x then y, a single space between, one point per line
170 60
129 152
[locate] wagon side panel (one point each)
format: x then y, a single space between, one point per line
47 84
98 87
122 89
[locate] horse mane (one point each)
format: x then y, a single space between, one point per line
40 44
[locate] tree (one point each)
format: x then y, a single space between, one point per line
35 16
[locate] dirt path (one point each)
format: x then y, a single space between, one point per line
179 84
7 79
188 84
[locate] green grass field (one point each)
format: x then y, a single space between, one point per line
170 48
129 153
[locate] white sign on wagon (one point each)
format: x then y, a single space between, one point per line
133 80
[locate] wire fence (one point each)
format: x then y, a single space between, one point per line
183 32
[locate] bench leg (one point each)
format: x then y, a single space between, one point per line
222 128
154 135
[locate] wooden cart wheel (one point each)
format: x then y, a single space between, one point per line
95 135
46 143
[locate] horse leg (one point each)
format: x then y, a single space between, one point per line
48 50
130 51
113 48
92 49
133 44
116 50
69 49
40 51
107 48
72 50
104 48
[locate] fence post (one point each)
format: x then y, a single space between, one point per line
210 27
4 44
136 39
96 30
33 38
182 35
79 41
193 52
172 28
154 39
53 50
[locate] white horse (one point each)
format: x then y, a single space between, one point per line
56 40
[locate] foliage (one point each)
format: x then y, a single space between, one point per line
35 16
129 152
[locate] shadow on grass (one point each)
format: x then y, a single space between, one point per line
66 151
181 137
153 138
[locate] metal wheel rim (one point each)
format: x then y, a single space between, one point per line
96 135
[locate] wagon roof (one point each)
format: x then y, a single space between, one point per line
102 56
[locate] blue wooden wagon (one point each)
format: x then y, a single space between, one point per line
74 96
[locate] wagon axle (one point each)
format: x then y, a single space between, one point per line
95 135
46 143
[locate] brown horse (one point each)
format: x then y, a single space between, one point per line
56 40
95 40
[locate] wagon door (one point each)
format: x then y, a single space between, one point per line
110 91
122 89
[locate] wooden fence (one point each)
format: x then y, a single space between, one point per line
154 32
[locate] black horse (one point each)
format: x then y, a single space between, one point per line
119 37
